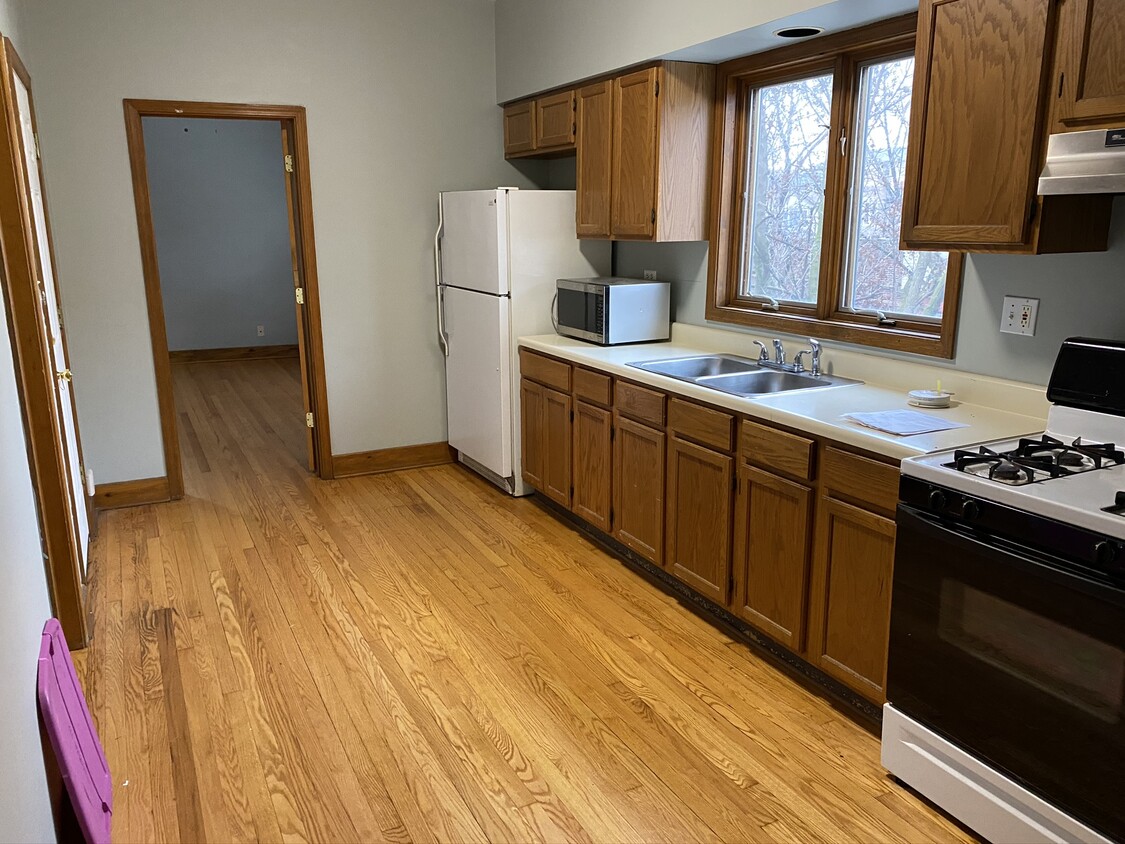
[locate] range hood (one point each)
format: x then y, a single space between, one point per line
1084 162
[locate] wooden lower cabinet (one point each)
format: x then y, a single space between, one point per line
532 442
593 459
700 487
772 544
850 601
556 454
638 488
545 440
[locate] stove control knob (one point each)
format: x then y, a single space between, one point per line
970 510
1106 552
938 499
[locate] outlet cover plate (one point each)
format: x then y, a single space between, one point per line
1019 315
649 275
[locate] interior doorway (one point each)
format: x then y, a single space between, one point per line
174 295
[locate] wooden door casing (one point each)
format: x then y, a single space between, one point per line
1091 64
556 446
555 121
850 600
700 486
772 545
595 155
635 155
976 122
638 488
532 443
593 459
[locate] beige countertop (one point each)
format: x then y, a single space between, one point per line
992 409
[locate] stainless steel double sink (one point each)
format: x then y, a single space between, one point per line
739 376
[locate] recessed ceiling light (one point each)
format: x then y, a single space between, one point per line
799 31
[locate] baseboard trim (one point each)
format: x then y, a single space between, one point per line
233 353
392 459
132 493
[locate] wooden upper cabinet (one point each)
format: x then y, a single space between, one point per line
772 545
555 122
978 126
1090 81
519 128
638 488
634 154
700 487
595 150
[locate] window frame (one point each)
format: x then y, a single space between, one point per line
843 54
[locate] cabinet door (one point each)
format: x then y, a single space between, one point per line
1091 86
555 121
519 128
638 488
593 429
556 452
532 442
851 596
635 126
700 485
976 122
771 555
595 150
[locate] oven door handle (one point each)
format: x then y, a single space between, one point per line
963 545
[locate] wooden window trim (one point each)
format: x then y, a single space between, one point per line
842 53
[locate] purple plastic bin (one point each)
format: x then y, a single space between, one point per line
80 756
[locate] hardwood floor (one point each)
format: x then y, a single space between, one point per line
416 657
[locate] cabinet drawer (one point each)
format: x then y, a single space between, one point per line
783 452
553 373
862 479
706 426
593 387
639 403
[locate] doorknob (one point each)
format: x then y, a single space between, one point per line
65 375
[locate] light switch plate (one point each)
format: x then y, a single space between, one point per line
1019 315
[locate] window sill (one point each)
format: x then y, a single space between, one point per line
882 337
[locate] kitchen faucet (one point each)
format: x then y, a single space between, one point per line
798 364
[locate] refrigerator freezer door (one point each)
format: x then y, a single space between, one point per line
474 243
478 378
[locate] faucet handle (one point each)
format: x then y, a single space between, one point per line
763 355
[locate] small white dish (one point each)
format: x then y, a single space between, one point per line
929 398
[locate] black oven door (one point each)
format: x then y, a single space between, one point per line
1016 657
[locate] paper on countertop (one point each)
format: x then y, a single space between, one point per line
902 423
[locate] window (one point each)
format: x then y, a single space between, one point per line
812 164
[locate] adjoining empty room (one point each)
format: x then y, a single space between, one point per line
227 256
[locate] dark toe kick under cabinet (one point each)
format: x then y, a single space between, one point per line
793 535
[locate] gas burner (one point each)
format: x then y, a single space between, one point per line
1076 457
1008 472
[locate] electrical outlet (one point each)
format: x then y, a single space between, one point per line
1019 315
649 275
261 331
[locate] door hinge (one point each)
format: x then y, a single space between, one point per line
59 309
309 420
574 128
288 164
1061 77
653 215
657 94
38 155
300 294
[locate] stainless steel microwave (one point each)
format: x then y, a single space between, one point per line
611 311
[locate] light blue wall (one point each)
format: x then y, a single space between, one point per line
222 231
1082 294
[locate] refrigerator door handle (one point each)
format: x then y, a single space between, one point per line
443 338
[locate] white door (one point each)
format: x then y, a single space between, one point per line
478 386
474 243
53 322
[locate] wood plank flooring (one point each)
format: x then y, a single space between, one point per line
415 657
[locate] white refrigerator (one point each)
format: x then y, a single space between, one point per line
497 254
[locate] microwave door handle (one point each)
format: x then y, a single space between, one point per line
443 338
555 311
